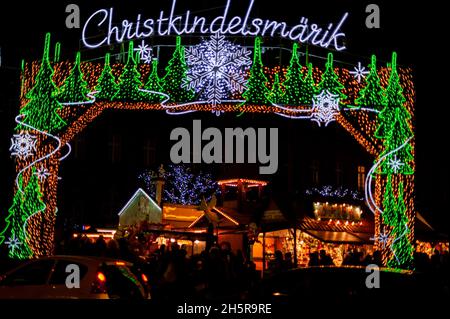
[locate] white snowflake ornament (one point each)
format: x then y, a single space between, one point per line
42 173
217 68
395 164
325 107
23 144
383 238
144 51
13 243
359 73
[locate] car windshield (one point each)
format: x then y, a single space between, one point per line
34 273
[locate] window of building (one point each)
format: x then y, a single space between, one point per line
150 152
361 177
339 173
315 172
115 149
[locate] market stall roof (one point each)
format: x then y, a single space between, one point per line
180 216
336 237
365 226
140 207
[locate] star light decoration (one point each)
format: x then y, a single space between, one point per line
217 68
23 144
325 107
383 238
42 173
359 73
395 164
145 52
13 243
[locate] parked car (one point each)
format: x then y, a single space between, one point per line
329 285
99 278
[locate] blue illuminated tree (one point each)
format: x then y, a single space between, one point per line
182 185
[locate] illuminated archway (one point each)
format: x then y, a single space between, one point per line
38 157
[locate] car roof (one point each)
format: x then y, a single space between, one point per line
89 259
349 268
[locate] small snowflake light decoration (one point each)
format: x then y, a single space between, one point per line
23 145
395 164
217 68
360 72
13 243
383 238
42 173
145 51
325 107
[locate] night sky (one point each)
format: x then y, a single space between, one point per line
414 31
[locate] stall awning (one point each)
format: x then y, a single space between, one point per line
336 237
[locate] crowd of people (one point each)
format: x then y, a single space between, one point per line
214 273
217 271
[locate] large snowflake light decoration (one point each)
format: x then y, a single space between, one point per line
217 68
23 144
325 107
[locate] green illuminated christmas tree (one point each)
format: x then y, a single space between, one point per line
309 89
24 205
401 246
276 94
393 99
74 88
41 111
13 211
372 95
294 80
130 81
153 84
257 91
398 162
176 75
32 202
389 203
106 85
330 80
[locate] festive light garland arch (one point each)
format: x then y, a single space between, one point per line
126 90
